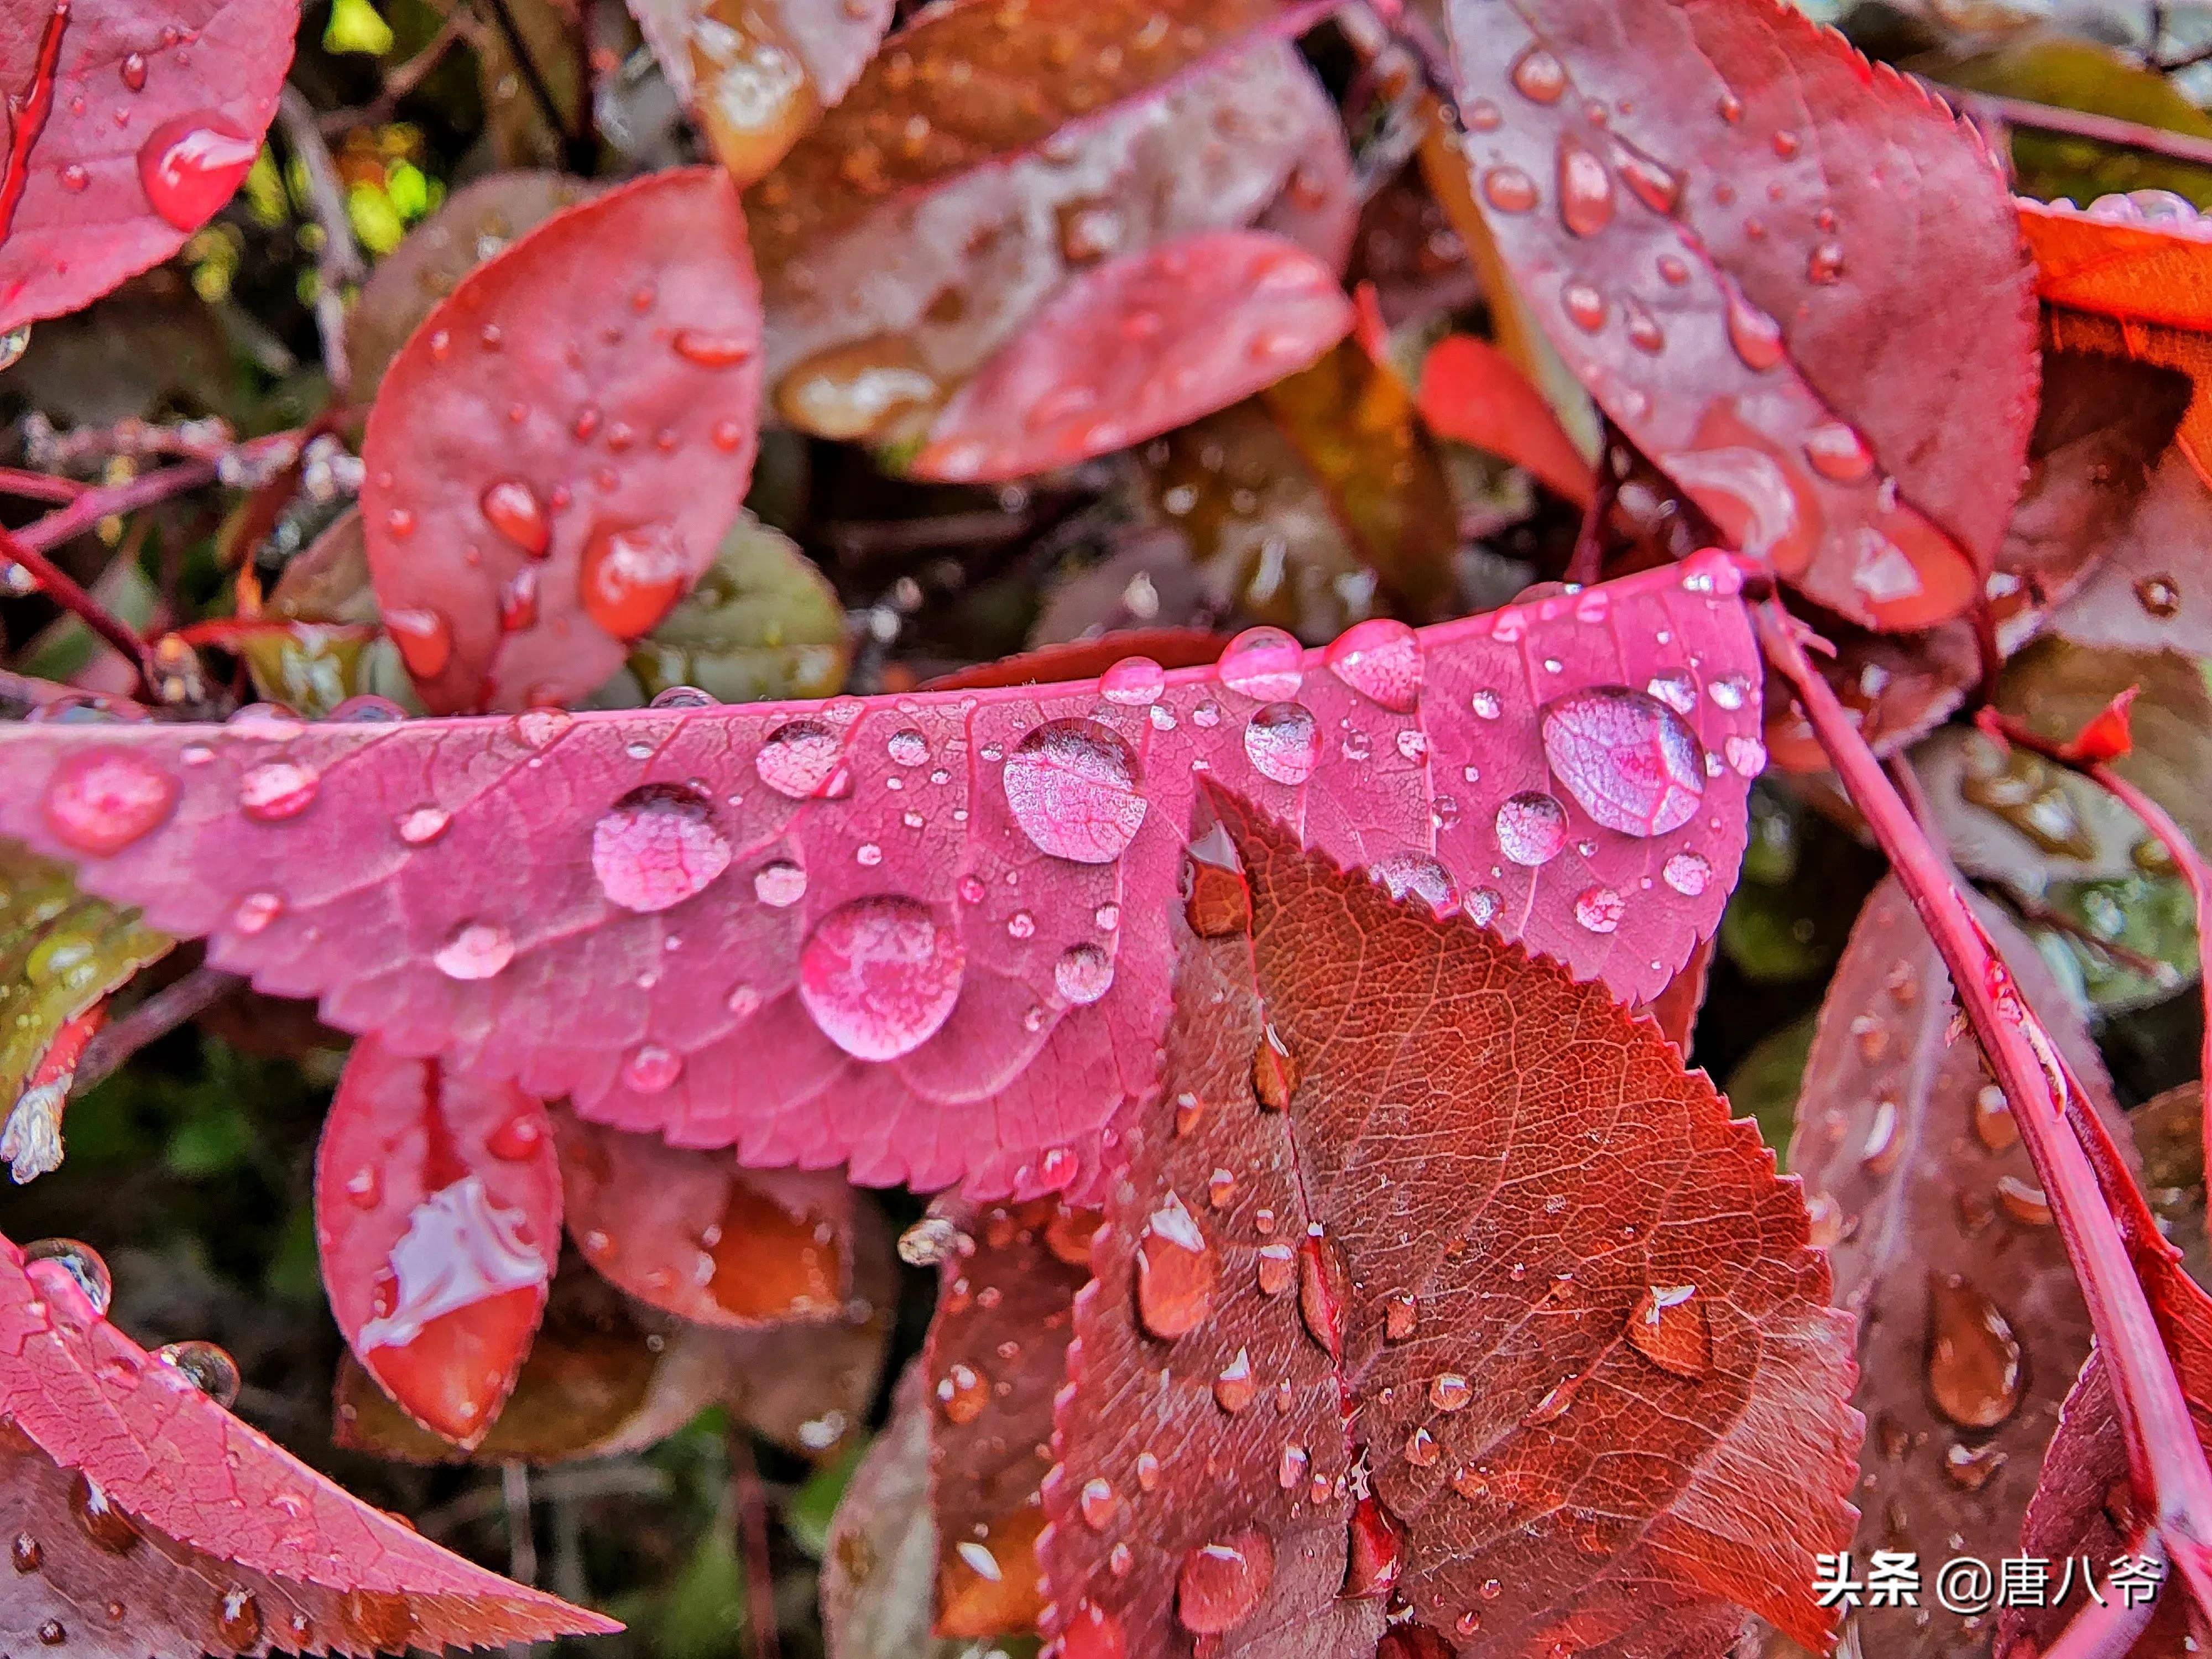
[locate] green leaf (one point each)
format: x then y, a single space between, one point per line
807 1517
763 625
1765 1083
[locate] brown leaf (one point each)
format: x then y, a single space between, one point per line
1971 1324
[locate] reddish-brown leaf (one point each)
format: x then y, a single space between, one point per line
924 936
1971 1324
134 121
143 1519
2110 259
997 1355
692 1233
1473 393
882 1551
1777 284
438 1218
1135 346
1493 1257
554 455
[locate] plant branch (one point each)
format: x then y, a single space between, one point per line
2079 123
93 505
399 83
156 1017
2188 864
575 145
337 262
2163 1449
62 588
752 1526
37 486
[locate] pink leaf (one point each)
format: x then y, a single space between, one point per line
136 1487
1777 284
138 120
554 455
922 935
1136 347
692 1233
438 1215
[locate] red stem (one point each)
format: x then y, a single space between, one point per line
27 116
2163 1449
88 508
2107 1629
62 588
37 486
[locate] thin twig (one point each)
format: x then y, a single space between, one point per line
399 83
62 588
2106 1628
2037 913
159 1015
338 262
1586 563
575 145
2079 123
38 486
752 1526
2164 1451
86 512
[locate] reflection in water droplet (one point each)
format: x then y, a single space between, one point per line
1175 1271
1221 1582
1074 787
84 1264
880 975
1532 828
657 847
206 1367
1283 743
1263 663
1973 1358
1630 761
100 800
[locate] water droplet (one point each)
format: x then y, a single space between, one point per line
1555 1404
1092 1633
100 800
1538 76
1993 1119
1133 681
1448 1391
133 70
1084 974
1234 1388
1421 1449
276 790
191 165
1374 1554
1324 1290
81 1262
1756 336
1585 187
1825 264
51 1633
1097 1503
1075 789
425 640
1643 331
961 1394
1221 1582
1175 1271
1405 875
1688 873
518 1138
206 1367
1746 755
2023 1201
709 349
512 508
1972 1467
1532 828
1630 761
1283 743
1583 304
1275 1070
1264 663
1509 190
657 847
476 949
1278 1266
1658 188
1600 910
650 1069
1973 1358
1668 1327
2159 595
1381 659
1837 451
24 1553
256 911
1219 901
237 1617
631 577
879 975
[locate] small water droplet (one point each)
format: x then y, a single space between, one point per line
81 1262
1283 742
1324 1290
1993 1119
1973 1358
1756 336
133 70
1218 902
961 1394
2024 1202
1374 1553
1600 910
475 949
1097 1503
1509 190
206 1367
1448 1391
1583 304
1277 1267
26 1553
710 349
1628 759
1972 1467
1538 76
1275 1070
276 790
1421 1449
1234 1388
237 1617
1668 1327
1532 828
1175 1271
1585 187
2159 595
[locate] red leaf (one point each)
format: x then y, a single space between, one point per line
2105 736
1496 1259
997 1355
1971 1323
2130 268
209 1536
556 453
692 919
1777 285
1135 347
691 1232
438 1216
1473 393
139 118
1087 658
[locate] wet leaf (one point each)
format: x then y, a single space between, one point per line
142 135
726 923
858 352
555 456
761 624
1778 326
1134 347
60 953
475 223
758 73
135 1488
437 1218
1971 1324
692 1233
1563 1299
997 1355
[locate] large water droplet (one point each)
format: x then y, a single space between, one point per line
84 1264
1283 743
879 975
1374 1553
1381 659
1973 1358
511 507
1133 681
800 759
1532 828
1668 1327
1221 1582
191 165
1084 974
100 800
1630 762
206 1367
1265 663
1585 187
476 949
1075 789
1175 1271
276 790
657 847
631 577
